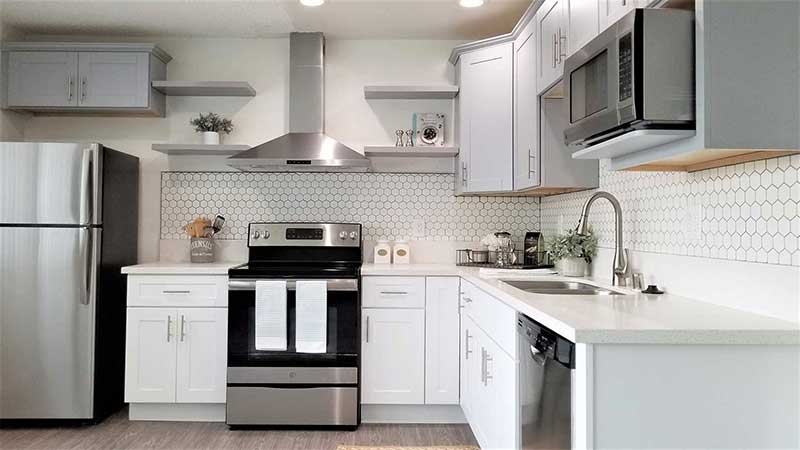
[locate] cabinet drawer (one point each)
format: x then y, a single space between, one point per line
394 292
493 316
178 291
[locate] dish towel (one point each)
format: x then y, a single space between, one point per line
271 315
311 327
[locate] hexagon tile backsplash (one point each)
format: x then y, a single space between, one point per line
390 206
746 212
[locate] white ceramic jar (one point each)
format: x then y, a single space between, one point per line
401 252
383 252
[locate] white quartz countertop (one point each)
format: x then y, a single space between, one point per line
635 318
164 268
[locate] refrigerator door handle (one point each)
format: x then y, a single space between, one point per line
87 189
90 263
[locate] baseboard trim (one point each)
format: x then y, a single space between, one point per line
441 414
177 412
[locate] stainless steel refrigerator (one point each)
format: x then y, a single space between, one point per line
68 222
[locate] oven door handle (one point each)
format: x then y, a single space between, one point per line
337 285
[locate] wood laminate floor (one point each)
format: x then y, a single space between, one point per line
117 432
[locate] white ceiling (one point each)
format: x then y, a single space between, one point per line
344 19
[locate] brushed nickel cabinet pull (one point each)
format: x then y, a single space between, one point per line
183 327
169 327
367 329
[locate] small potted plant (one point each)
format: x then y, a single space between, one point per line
211 125
572 252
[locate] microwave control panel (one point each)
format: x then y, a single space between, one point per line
625 68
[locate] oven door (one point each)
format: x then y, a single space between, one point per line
599 83
343 328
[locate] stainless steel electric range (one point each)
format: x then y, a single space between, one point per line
289 388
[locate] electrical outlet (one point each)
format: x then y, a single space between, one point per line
418 228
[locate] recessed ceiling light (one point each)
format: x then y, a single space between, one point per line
314 2
470 3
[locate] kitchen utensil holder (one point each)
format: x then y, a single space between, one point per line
201 250
489 258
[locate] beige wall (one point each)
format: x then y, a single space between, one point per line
264 64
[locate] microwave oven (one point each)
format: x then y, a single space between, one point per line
636 75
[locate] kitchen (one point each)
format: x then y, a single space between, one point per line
694 220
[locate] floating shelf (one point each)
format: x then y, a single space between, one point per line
410 92
199 149
205 88
391 159
410 152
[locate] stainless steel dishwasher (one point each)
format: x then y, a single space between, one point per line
546 364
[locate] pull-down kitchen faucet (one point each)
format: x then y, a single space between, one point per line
621 270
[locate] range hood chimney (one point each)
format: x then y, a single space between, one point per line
306 148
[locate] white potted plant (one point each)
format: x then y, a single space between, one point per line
572 252
211 125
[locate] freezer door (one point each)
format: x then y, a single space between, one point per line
49 183
47 315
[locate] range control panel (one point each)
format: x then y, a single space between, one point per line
304 235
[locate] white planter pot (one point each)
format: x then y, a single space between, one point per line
210 137
572 267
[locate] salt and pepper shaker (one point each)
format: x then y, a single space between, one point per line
399 142
409 138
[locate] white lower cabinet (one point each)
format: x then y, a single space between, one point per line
488 386
175 355
150 355
441 340
202 355
409 343
393 356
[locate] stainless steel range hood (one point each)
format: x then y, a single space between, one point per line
306 148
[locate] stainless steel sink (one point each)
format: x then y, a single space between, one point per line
560 287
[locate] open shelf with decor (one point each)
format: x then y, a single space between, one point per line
200 149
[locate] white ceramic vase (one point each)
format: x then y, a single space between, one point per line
572 267
210 137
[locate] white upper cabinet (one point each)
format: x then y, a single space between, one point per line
553 40
116 80
202 336
84 77
441 340
583 22
485 119
42 79
526 111
150 350
393 356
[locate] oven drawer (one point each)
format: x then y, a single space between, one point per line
248 405
393 292
178 291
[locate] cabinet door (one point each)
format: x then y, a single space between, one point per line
202 355
551 37
583 18
441 340
150 348
486 115
114 79
43 79
393 356
500 390
467 357
526 107
613 10
481 406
